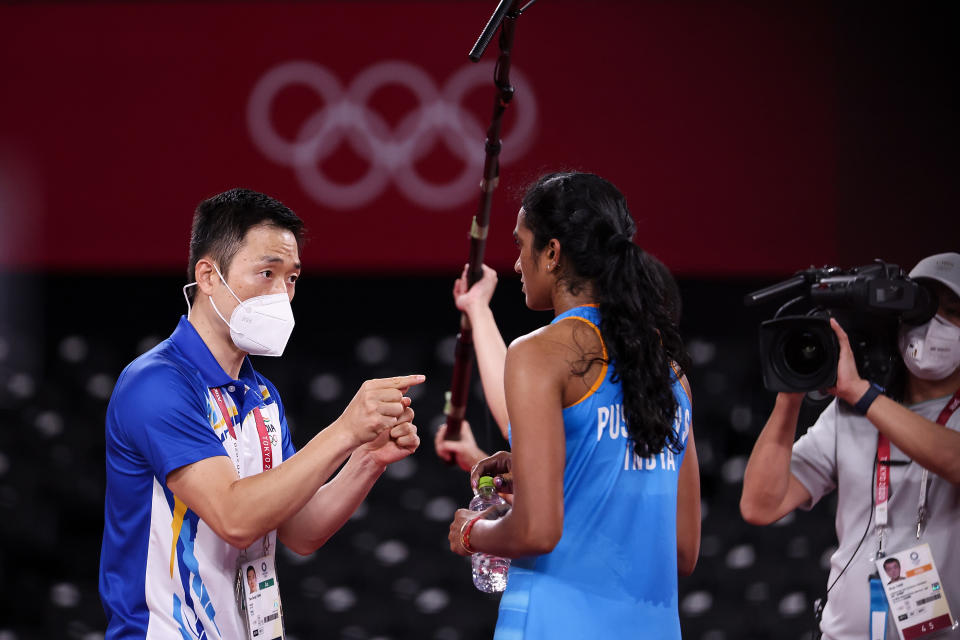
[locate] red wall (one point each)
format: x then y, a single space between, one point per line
716 120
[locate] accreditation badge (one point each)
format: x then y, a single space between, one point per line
260 598
915 594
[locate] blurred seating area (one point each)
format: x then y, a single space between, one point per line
388 574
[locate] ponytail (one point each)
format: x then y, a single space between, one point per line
643 344
590 219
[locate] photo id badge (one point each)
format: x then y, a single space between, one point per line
918 604
260 605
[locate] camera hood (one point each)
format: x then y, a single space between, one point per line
798 353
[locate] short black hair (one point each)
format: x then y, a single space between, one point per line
221 223
890 561
250 568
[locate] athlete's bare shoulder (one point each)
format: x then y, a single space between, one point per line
570 352
539 343
536 354
569 338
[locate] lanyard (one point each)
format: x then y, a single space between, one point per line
266 448
878 610
882 490
228 419
883 478
224 412
945 414
948 410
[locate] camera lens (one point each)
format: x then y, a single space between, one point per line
798 353
803 352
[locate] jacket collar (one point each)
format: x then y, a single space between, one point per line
196 351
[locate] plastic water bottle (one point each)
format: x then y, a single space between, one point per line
489 572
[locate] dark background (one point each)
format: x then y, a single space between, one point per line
843 148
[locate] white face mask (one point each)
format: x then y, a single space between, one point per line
260 325
931 351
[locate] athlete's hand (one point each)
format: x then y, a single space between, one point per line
455 535
467 298
460 519
378 405
498 465
464 451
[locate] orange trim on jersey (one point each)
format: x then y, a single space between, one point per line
603 372
673 365
179 509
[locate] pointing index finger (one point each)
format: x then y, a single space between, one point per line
403 382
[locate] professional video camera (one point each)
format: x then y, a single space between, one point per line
800 352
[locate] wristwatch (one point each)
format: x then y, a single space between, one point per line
863 404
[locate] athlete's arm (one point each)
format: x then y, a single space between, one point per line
488 344
770 490
931 445
688 504
240 510
535 377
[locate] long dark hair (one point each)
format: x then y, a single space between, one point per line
588 216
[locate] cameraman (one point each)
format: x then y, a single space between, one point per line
841 451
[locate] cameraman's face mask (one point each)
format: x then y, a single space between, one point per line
931 351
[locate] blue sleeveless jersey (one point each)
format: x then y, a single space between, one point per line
614 572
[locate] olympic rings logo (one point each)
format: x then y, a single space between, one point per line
392 154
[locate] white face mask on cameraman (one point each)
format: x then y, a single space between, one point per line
931 351
260 325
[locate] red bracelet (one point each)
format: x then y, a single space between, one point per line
465 535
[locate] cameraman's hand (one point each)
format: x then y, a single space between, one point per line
850 386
